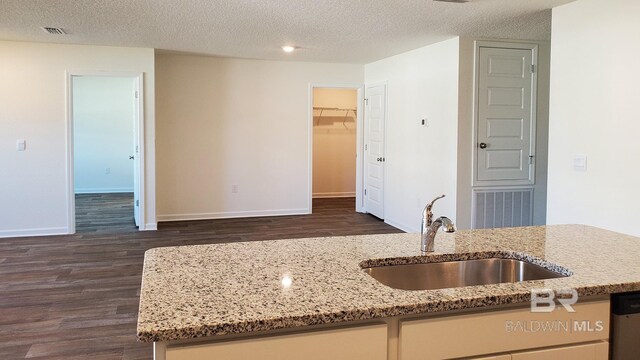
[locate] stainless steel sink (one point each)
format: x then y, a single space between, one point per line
450 274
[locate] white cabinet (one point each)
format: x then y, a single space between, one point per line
493 357
502 331
592 351
500 334
365 342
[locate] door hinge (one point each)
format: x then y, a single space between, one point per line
137 202
365 147
533 69
531 159
365 192
366 101
136 94
136 148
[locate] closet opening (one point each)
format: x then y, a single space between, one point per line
334 175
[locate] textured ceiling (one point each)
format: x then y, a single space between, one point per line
352 31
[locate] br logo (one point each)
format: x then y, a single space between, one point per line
544 300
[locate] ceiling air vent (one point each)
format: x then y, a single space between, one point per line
53 30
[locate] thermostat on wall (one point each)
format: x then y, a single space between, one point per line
580 163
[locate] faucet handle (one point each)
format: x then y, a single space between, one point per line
430 205
427 214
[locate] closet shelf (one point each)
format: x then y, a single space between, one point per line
322 109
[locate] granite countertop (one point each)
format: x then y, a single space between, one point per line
209 290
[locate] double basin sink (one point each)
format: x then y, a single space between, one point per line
460 273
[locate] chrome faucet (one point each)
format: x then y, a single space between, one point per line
430 227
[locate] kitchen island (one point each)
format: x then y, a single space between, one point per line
312 297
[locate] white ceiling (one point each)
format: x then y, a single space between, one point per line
351 31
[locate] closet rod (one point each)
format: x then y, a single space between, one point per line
333 108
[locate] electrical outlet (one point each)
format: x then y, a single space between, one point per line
107 171
234 189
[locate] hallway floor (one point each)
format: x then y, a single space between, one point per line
104 212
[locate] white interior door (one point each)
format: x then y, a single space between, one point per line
136 158
375 115
505 122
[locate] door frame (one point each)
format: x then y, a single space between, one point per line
384 83
138 78
359 140
476 92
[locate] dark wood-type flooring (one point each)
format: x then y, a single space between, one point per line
104 213
76 296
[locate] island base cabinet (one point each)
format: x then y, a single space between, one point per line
493 357
504 331
593 351
365 342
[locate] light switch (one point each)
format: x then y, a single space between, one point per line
580 162
21 145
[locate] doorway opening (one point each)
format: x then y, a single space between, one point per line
335 172
104 146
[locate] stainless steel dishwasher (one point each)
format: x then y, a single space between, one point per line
625 326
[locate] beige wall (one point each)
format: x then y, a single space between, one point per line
594 112
334 143
420 160
230 123
33 185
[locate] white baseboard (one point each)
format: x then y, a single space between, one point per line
399 225
333 195
150 227
103 190
231 214
34 232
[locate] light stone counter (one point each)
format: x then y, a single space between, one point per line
209 290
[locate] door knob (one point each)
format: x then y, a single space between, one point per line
483 145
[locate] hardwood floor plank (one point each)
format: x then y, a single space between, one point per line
76 296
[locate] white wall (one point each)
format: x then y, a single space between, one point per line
594 111
33 185
334 143
420 160
103 118
465 133
230 122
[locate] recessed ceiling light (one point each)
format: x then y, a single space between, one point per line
288 48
